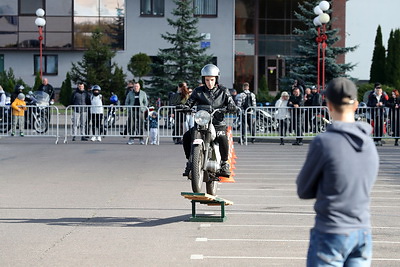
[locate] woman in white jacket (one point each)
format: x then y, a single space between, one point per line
96 110
283 115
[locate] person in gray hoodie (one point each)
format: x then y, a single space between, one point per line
339 172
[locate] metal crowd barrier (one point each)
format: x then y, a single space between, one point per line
130 121
385 121
91 122
38 121
283 122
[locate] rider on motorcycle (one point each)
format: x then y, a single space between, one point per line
216 96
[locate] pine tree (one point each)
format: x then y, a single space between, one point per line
184 60
393 59
96 66
304 65
37 83
377 72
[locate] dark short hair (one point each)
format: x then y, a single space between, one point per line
377 85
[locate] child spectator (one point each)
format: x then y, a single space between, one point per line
96 110
153 123
18 112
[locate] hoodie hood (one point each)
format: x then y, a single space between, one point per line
356 133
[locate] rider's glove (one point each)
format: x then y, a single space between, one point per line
232 108
182 107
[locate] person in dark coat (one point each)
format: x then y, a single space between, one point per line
377 101
80 99
296 101
394 115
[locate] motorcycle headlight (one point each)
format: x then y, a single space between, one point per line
202 117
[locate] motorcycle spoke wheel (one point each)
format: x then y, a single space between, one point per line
197 169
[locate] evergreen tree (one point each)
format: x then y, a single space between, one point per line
118 84
116 30
393 60
37 83
377 72
96 66
304 65
66 91
184 60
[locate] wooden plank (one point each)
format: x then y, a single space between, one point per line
206 197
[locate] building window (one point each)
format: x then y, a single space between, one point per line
49 64
1 63
205 8
29 7
152 8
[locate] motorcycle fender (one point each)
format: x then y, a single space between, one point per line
198 141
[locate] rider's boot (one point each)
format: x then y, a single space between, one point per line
187 169
225 170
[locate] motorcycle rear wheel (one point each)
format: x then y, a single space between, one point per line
211 187
197 169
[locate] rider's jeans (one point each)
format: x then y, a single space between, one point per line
352 249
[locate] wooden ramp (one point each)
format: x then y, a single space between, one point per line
209 200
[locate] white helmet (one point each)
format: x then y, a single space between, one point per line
210 70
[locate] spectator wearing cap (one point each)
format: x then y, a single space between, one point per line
18 112
339 172
377 101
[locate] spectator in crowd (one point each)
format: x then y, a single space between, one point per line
308 110
247 103
96 110
316 102
377 100
296 102
153 121
2 102
18 113
394 105
19 88
47 88
138 99
179 98
189 120
283 115
2 97
80 97
129 88
339 172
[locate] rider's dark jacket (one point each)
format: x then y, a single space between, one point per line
218 97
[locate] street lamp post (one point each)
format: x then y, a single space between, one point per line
320 22
40 22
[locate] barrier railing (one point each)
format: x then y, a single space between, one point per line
38 121
283 122
132 121
91 122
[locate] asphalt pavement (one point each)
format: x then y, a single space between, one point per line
111 204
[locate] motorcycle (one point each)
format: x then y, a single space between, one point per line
38 103
205 158
5 116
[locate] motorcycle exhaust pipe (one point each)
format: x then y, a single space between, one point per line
212 166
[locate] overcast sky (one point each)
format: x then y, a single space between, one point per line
362 20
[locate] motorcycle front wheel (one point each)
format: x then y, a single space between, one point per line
211 187
197 169
41 124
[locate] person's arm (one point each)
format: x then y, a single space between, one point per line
128 99
254 100
240 100
308 179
